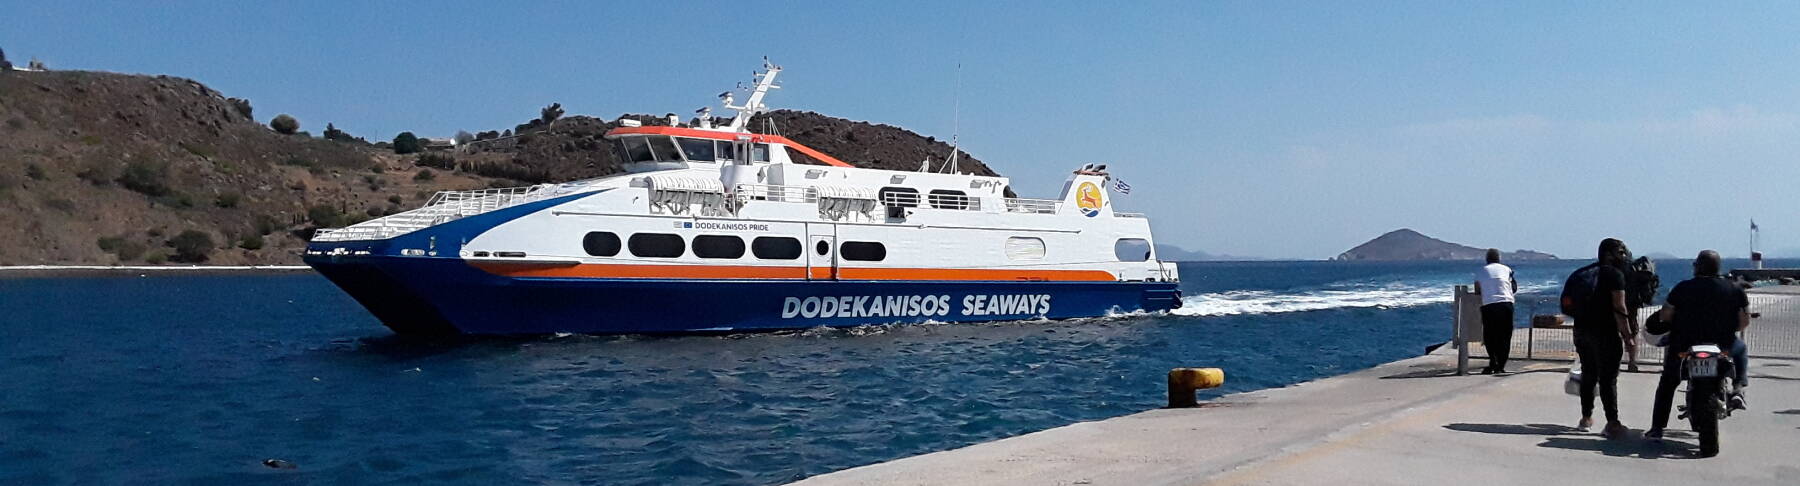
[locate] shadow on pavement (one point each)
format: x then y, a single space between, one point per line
1514 429
1446 372
1630 447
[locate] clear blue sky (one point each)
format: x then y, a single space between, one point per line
1266 129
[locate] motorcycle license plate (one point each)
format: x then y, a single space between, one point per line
1703 368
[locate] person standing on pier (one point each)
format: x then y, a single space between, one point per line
1497 287
1595 296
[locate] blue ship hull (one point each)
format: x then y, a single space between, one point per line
429 295
418 294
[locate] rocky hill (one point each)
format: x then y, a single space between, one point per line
1406 244
105 168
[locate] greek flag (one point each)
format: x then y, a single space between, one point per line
1752 225
1121 186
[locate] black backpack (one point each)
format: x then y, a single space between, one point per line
1578 290
1642 283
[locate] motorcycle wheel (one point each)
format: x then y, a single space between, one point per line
1703 414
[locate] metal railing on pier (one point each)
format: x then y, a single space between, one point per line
1774 330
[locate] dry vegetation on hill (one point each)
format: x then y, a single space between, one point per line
104 168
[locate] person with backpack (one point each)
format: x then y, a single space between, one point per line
1497 287
1595 296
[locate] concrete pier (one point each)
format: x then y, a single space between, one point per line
1407 422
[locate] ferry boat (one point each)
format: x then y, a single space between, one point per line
714 228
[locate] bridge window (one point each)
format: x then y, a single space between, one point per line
601 243
863 251
759 153
725 150
657 245
664 149
637 150
1024 248
697 148
775 248
718 246
904 197
948 199
1132 249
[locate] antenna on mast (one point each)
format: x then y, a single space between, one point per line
955 124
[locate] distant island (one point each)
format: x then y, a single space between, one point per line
1172 253
1408 245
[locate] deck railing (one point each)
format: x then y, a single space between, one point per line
441 207
770 192
1035 206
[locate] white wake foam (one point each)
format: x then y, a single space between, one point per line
1242 302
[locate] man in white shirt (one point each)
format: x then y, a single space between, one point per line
1497 286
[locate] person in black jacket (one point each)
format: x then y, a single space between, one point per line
1602 332
1706 309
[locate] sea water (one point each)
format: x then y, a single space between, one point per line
200 379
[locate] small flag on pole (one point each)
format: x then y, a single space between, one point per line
1121 186
1752 225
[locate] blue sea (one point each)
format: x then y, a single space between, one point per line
200 379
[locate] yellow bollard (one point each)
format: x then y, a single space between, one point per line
1183 382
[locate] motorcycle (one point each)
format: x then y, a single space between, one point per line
1707 371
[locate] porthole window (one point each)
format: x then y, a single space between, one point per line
657 245
1024 248
718 246
1132 249
823 247
863 251
601 243
948 199
775 248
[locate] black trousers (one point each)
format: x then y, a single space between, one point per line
1496 333
1600 353
1665 388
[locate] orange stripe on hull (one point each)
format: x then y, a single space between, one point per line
755 272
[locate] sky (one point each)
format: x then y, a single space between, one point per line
1265 129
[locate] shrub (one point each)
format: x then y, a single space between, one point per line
241 105
60 204
396 199
145 177
252 242
155 258
550 113
227 200
424 175
99 174
109 243
463 137
377 168
35 172
202 151
266 224
192 246
325 216
406 143
285 124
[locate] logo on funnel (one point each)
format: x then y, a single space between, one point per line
1089 198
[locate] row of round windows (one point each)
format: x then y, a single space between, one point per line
666 245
